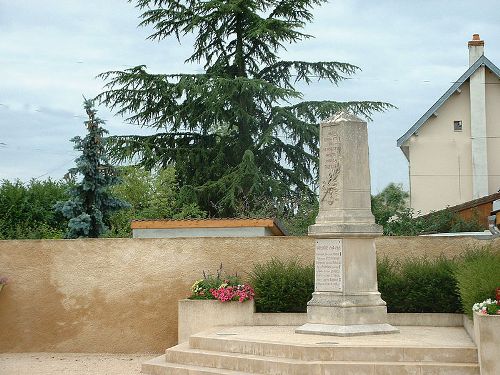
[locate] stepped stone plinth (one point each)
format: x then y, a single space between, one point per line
346 300
277 350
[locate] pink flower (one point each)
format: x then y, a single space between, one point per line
238 293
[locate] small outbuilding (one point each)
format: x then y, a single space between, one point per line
206 228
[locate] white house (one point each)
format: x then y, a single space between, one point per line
453 150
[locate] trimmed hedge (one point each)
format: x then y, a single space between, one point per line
477 275
282 286
419 285
415 285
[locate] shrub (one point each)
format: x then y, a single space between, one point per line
414 285
404 223
282 286
478 274
389 283
419 285
27 209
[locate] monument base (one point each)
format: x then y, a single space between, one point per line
338 314
346 330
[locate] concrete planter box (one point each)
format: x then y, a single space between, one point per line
198 315
487 338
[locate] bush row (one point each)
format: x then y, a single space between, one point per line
282 286
415 285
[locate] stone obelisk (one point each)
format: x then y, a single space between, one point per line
346 301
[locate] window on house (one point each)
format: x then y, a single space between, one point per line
457 126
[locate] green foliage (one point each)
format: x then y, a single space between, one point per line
151 195
90 202
236 133
478 274
282 286
447 221
418 285
389 202
297 223
444 221
403 223
412 285
27 209
390 208
493 309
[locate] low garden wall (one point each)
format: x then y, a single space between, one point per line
199 315
120 295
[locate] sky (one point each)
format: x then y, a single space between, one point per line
51 52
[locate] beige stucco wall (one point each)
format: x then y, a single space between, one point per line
440 158
120 295
113 295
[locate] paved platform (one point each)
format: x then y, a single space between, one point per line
71 363
409 336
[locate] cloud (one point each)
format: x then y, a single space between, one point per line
51 52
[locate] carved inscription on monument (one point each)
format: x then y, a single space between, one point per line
330 159
328 265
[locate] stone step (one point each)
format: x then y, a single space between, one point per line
160 366
326 349
255 364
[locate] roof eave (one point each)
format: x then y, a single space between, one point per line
483 60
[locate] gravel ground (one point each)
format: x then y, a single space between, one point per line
71 363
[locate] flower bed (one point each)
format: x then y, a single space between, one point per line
222 288
488 307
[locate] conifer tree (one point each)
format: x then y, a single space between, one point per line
238 131
90 202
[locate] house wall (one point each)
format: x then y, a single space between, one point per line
493 130
440 158
120 295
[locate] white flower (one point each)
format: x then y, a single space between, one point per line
483 306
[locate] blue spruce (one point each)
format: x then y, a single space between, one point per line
91 202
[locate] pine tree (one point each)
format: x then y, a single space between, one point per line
237 133
90 202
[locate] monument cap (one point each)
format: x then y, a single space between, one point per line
343 116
